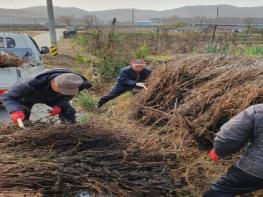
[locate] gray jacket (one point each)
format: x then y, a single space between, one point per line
244 129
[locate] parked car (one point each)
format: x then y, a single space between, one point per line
71 31
24 47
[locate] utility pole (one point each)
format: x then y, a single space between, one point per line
217 15
51 23
216 25
132 17
202 20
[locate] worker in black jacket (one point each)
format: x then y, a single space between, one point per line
54 88
130 77
246 175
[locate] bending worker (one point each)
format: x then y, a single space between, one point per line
247 174
54 88
130 77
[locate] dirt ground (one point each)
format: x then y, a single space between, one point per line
65 57
32 33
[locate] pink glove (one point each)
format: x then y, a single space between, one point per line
17 115
55 111
213 155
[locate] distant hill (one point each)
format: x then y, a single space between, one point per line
125 14
13 13
225 11
41 11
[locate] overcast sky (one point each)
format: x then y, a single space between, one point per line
140 4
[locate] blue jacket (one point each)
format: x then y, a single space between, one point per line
128 77
37 89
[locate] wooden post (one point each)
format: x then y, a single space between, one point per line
133 17
217 15
157 38
112 32
214 35
201 22
215 28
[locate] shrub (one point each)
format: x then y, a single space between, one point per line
141 52
82 59
81 40
85 101
109 66
254 51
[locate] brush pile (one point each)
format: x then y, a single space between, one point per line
10 60
194 95
68 160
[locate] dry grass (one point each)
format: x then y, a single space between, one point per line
65 57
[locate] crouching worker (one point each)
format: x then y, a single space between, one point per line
247 174
130 77
54 88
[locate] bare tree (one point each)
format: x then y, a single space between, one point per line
248 22
67 20
91 21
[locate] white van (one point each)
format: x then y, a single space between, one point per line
24 47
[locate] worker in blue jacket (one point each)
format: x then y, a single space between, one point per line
130 77
54 88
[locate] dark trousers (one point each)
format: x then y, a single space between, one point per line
234 182
27 107
115 92
67 114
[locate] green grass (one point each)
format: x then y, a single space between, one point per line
158 58
254 51
85 101
81 40
216 50
140 52
86 116
82 59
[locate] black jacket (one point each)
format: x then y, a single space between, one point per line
37 89
244 129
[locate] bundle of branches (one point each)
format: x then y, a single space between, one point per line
10 60
195 94
66 160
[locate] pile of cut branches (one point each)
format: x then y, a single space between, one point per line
10 60
194 95
67 160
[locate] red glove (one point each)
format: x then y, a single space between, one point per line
17 115
55 111
213 155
